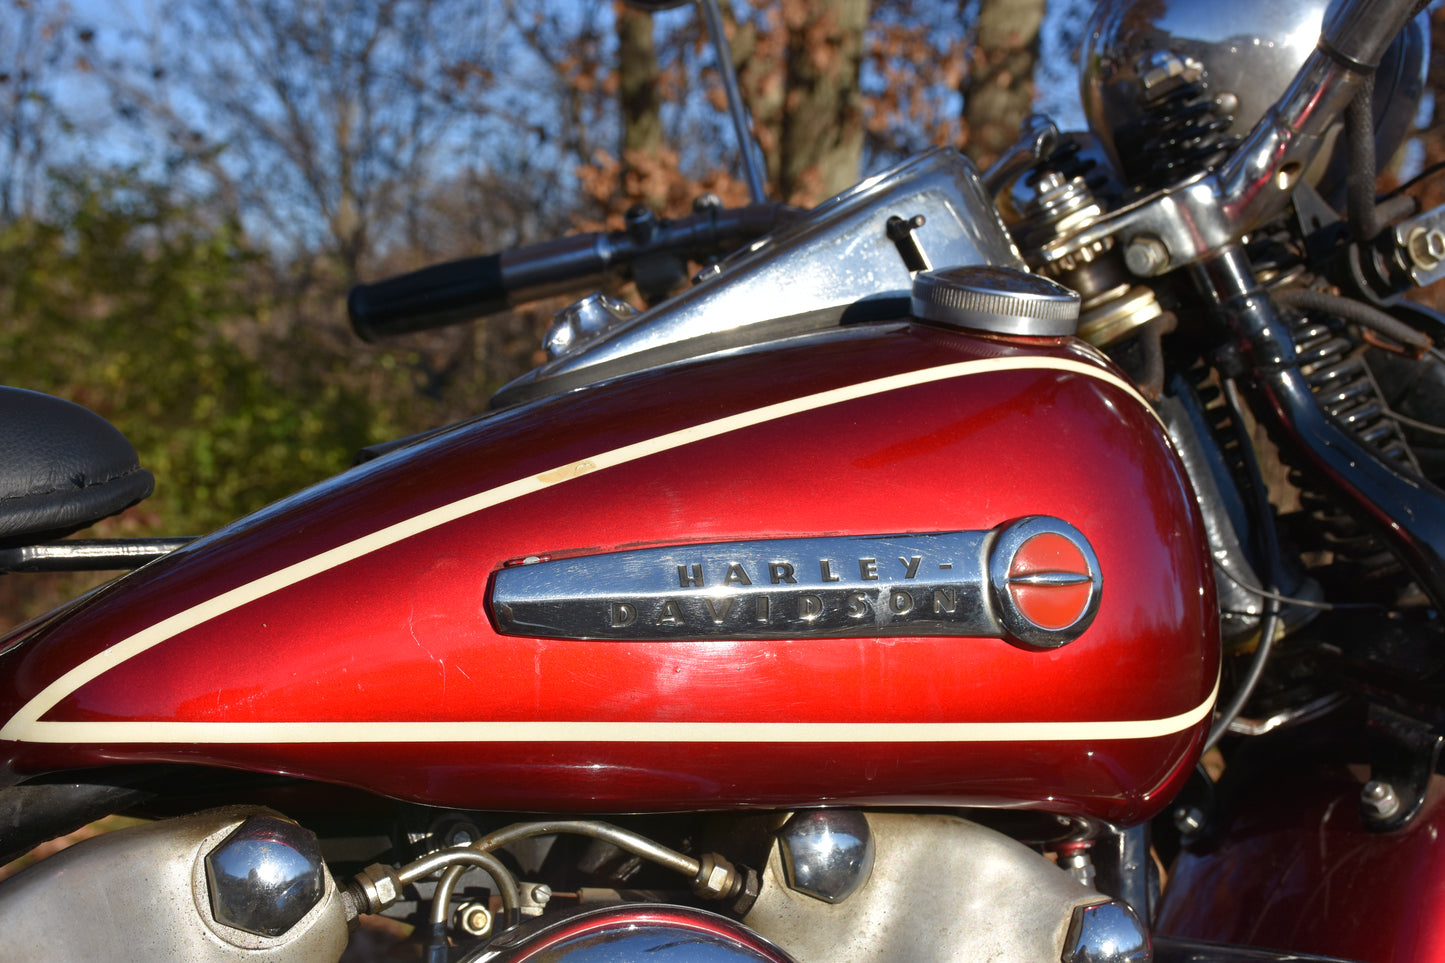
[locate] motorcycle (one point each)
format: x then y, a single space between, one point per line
875 597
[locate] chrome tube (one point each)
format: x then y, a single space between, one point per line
621 838
752 170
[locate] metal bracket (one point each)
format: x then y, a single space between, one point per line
1404 753
88 555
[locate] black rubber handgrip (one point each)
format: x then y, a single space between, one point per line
430 298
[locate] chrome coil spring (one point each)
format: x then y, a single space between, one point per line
1181 132
1346 390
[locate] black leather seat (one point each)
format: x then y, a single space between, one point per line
62 467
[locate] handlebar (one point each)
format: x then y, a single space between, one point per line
469 288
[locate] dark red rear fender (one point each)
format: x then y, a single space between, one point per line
1297 871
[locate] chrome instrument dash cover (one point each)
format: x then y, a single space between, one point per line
841 253
1035 582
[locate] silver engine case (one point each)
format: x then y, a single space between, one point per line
141 895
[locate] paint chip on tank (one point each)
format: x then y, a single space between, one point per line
567 471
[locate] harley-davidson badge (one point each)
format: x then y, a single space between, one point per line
1035 581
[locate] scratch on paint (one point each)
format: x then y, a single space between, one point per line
411 627
567 471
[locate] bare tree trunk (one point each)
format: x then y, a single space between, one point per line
802 88
822 137
637 76
999 88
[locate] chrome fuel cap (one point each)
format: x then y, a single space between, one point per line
996 299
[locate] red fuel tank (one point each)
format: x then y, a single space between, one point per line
782 577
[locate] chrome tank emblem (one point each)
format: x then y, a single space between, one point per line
1035 582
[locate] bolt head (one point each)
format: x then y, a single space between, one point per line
717 881
1146 256
1426 247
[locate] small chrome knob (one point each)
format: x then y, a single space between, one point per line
1000 300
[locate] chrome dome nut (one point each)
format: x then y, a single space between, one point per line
827 853
266 876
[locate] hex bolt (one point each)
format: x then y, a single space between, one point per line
1380 800
1427 247
1146 256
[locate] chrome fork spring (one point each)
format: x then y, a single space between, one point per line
1346 390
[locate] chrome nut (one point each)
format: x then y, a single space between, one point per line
1107 932
1427 247
265 876
716 877
379 887
827 853
1380 799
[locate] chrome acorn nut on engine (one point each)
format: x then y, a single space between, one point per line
845 884
265 877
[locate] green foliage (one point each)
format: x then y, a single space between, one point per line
165 323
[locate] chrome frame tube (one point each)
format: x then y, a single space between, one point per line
747 150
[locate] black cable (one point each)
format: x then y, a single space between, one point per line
1292 599
1360 183
1265 594
1356 311
1269 624
1434 168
